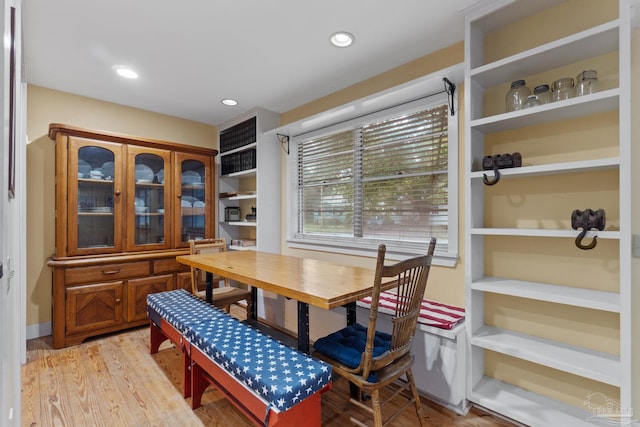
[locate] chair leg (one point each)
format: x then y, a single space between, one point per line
377 410
416 396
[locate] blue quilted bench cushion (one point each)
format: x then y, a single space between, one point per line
280 375
347 345
181 309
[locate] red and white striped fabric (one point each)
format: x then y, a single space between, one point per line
432 313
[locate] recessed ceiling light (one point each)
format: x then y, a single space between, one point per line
342 39
125 72
229 101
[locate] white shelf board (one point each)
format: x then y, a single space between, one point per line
538 232
512 10
576 47
580 361
579 106
579 297
239 149
243 197
248 172
553 168
241 223
527 407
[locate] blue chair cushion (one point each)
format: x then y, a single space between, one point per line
347 345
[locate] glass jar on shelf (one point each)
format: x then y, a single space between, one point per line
543 93
586 82
517 95
563 89
532 101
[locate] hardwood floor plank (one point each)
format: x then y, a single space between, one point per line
114 381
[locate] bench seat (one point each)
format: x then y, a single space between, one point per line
240 360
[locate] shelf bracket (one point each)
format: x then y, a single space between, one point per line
284 139
450 88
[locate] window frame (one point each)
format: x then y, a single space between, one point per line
445 255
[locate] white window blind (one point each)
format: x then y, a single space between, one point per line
381 181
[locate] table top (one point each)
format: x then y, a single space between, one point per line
319 283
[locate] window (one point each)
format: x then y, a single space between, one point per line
382 178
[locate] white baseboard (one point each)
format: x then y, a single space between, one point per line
38 330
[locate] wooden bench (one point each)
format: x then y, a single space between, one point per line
272 384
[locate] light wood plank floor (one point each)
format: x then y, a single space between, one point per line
114 381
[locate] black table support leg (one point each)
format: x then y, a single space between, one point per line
351 313
208 296
253 307
354 391
303 327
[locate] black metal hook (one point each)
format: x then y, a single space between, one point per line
485 178
581 236
450 88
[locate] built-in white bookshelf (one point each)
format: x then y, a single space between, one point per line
249 177
481 78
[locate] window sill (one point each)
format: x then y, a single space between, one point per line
441 258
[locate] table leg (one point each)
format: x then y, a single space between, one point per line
351 313
253 306
208 295
303 327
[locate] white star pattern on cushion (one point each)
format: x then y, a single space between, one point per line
223 337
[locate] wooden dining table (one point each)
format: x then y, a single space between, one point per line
308 281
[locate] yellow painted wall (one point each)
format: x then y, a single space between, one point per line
45 106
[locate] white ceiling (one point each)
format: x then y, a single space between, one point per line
190 54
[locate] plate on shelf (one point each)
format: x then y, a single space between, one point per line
107 169
104 209
83 167
96 174
143 173
191 178
190 199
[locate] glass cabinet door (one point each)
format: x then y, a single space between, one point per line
94 197
193 183
147 201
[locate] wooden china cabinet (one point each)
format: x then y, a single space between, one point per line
125 208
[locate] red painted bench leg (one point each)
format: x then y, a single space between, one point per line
186 373
157 337
199 384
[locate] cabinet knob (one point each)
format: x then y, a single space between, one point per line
107 272
118 300
117 192
179 196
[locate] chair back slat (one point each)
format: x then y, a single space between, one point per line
410 277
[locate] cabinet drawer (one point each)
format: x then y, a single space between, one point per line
168 265
107 272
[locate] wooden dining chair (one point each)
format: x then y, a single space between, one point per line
223 293
373 360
